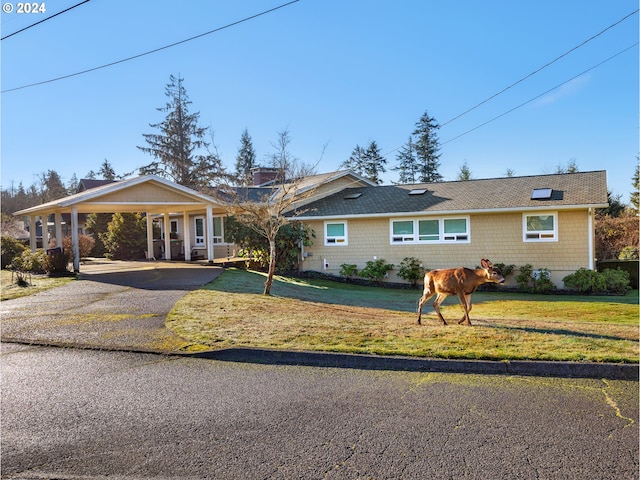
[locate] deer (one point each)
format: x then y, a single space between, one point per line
457 281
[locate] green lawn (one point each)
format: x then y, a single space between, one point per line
37 283
322 315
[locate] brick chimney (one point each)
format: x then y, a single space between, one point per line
263 175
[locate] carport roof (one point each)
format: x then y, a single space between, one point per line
148 193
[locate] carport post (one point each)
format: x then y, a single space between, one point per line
186 236
33 239
167 237
150 253
74 239
209 233
58 224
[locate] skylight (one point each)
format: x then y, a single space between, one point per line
418 191
353 196
541 193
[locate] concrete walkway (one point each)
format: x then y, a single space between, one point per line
114 306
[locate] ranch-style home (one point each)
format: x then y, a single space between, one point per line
545 220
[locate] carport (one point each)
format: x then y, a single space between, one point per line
153 195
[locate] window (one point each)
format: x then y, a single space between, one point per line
335 233
402 231
218 231
541 227
199 237
428 230
173 226
433 230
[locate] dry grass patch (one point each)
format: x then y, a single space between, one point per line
10 289
230 312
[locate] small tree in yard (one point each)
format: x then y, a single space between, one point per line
267 215
126 236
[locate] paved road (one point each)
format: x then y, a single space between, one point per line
115 305
81 414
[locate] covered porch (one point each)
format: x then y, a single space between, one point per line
156 197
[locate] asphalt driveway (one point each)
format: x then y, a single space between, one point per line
114 305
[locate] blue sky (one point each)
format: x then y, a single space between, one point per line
335 74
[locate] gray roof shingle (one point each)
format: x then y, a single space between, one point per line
509 193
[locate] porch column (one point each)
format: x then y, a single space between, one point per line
74 239
58 224
186 235
33 240
209 233
167 237
150 253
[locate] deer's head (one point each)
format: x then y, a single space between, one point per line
493 273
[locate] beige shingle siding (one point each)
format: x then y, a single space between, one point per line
497 236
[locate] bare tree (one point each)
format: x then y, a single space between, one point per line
266 213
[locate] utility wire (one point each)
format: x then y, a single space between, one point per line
44 20
153 51
539 69
541 95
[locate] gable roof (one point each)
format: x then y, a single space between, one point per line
570 190
161 194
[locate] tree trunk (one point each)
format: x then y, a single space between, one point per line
272 266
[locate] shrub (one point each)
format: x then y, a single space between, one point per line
506 270
126 236
411 270
538 281
348 270
592 282
525 277
86 244
376 270
31 261
11 248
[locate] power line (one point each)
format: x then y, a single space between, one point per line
541 95
246 19
44 20
539 69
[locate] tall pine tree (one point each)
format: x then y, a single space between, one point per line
427 149
367 163
245 160
181 152
407 163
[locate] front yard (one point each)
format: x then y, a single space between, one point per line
305 314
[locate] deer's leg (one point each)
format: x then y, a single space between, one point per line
436 306
426 296
465 300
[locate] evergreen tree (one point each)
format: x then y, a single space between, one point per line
72 186
177 145
106 171
245 160
126 236
51 186
465 172
356 162
367 163
407 163
374 163
427 149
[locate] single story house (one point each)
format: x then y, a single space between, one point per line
545 220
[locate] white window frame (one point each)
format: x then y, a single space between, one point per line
336 240
540 235
218 239
199 240
414 237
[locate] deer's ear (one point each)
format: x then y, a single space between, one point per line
485 263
